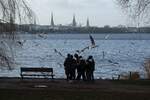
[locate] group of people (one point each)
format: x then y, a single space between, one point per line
77 68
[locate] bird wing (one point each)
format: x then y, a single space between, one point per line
92 40
93 45
56 51
82 50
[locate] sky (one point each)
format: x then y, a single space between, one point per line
99 12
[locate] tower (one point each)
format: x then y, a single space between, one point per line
87 23
74 24
52 20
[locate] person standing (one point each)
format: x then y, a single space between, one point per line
72 68
77 61
67 66
90 68
81 69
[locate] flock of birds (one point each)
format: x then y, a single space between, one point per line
92 45
89 47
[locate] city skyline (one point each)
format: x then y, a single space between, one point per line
74 22
99 12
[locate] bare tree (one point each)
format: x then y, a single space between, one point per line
12 12
137 9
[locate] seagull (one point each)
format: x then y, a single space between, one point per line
56 51
93 45
107 36
92 40
5 61
60 65
80 51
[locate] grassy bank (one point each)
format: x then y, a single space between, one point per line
69 95
16 89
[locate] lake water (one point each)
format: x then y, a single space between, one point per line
115 54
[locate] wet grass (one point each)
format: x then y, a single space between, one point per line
57 90
132 82
12 94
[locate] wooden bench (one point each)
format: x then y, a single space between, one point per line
45 72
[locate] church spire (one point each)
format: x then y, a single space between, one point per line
52 20
74 24
87 23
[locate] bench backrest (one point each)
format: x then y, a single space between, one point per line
23 69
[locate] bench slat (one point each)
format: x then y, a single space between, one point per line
37 74
39 71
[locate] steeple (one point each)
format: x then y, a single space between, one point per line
74 24
52 20
87 23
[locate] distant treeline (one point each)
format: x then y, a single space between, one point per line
68 29
7 27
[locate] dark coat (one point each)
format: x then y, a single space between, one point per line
67 63
90 66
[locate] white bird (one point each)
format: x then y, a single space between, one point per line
93 45
56 51
107 36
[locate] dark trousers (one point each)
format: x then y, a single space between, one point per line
67 74
81 74
72 74
90 75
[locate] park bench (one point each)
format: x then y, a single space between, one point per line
45 72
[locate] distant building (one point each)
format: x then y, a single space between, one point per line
87 23
74 24
121 26
52 20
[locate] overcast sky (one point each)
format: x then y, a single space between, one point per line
99 12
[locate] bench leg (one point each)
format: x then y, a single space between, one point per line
21 76
52 77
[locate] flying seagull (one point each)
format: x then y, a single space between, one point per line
56 51
5 61
92 40
93 45
80 51
107 36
